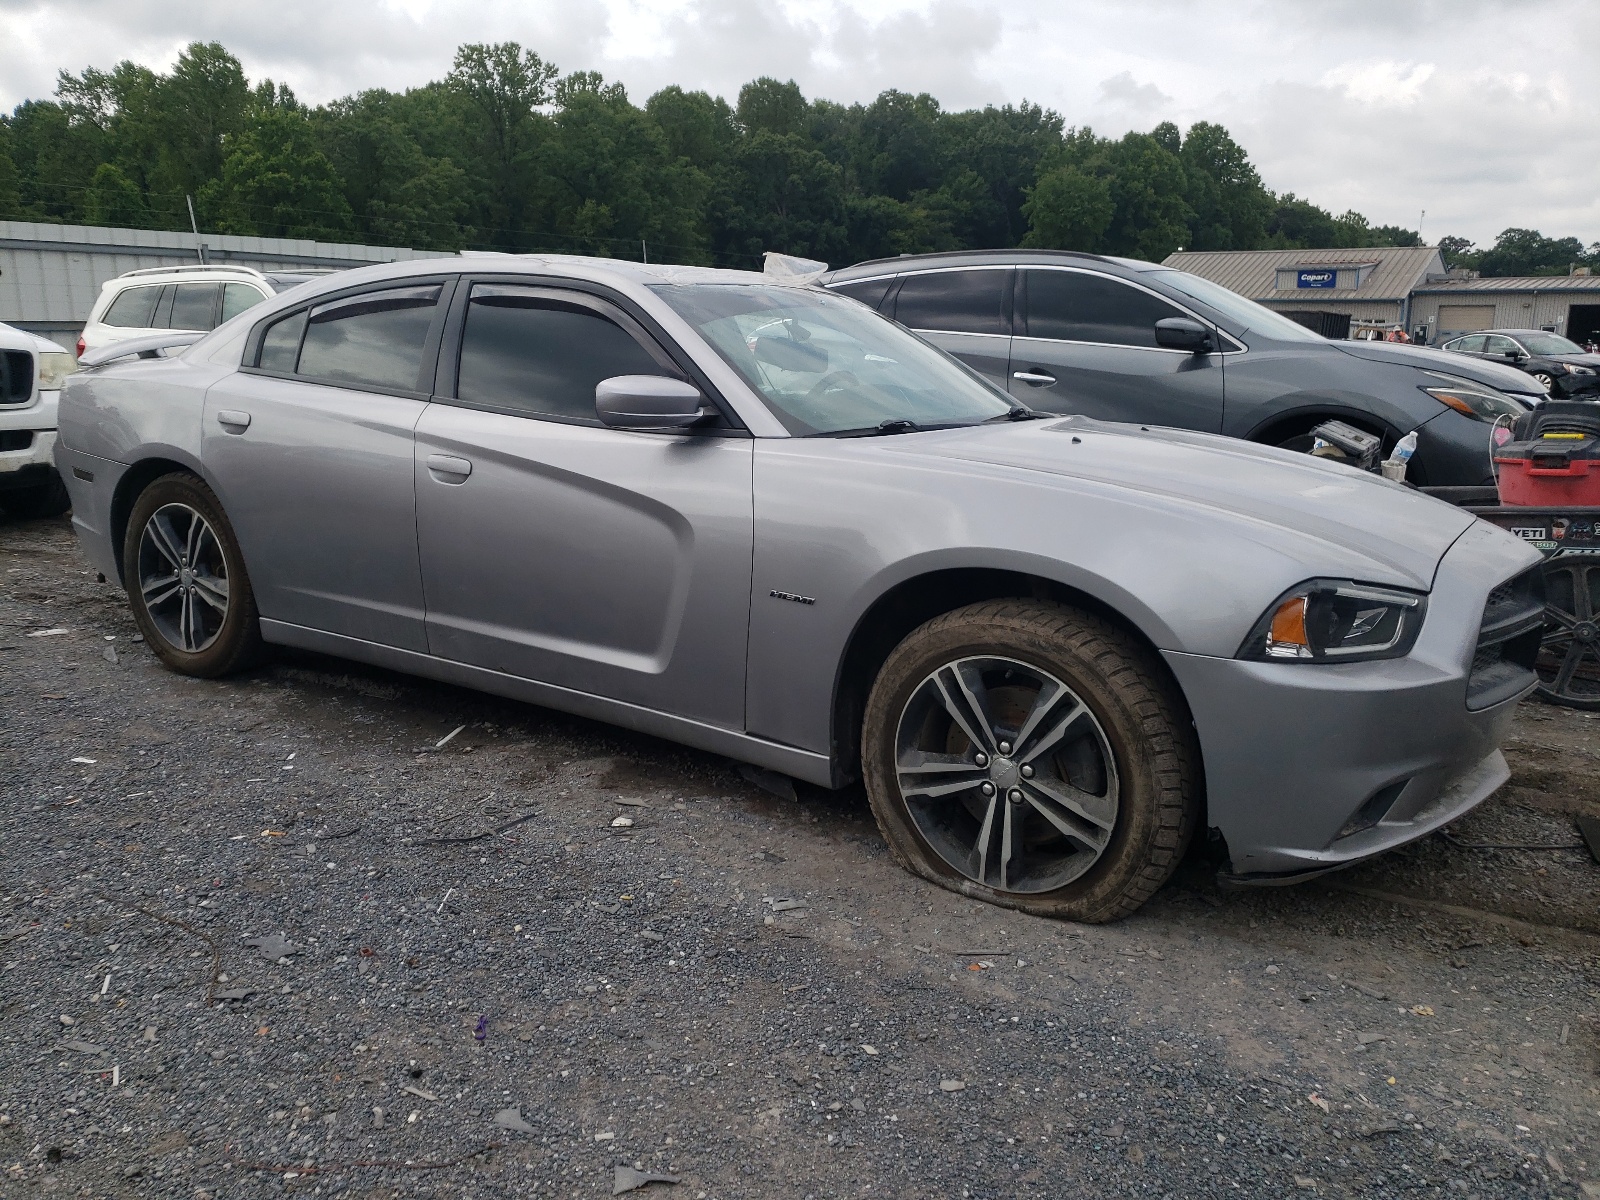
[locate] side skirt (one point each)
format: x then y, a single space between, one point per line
802 764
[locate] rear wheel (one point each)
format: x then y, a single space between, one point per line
186 581
1034 756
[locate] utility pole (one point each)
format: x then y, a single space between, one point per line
200 251
644 250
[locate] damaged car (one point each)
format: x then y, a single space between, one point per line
758 518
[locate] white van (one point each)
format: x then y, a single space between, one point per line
31 373
194 298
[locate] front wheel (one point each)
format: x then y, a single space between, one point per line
186 580
1034 756
47 499
1545 380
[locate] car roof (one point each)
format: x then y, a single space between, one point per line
958 258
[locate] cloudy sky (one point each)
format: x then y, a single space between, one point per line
1484 113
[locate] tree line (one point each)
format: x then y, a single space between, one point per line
508 153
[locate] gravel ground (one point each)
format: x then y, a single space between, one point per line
281 934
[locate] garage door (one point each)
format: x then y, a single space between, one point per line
1464 318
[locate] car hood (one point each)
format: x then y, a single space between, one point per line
1574 360
1333 518
1424 358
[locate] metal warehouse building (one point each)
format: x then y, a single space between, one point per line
51 274
1335 292
1341 292
1564 304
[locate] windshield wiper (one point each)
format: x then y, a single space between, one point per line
1019 412
881 429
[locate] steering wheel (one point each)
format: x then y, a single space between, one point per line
831 381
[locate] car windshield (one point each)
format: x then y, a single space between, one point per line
825 364
1235 307
1548 343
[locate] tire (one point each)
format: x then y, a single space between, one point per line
1127 765
47 499
1547 382
187 585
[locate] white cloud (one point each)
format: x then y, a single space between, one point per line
1479 111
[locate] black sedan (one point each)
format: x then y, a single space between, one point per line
1564 368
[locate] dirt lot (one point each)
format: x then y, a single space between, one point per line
475 984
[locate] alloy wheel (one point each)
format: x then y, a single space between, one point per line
1007 774
1569 654
183 577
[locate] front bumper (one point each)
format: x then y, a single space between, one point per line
1577 387
27 457
1297 756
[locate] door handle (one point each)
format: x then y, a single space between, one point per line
1036 378
447 468
232 421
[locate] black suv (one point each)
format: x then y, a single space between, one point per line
1563 368
1135 341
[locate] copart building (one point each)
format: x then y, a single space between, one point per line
50 274
1356 293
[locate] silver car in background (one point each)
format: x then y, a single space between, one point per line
760 519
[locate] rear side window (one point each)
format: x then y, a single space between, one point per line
236 297
869 291
195 306
535 354
163 317
372 340
956 301
133 309
1079 307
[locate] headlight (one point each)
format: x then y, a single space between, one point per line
1476 400
54 369
1574 369
1336 620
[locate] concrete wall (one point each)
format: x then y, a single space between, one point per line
51 274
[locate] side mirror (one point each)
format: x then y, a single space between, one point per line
1180 333
648 402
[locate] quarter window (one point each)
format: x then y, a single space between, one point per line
956 301
1079 306
236 297
133 309
195 306
280 346
531 353
374 339
869 291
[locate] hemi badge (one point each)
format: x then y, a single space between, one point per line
791 596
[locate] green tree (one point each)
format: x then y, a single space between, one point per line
1147 181
498 89
114 199
1459 252
1224 192
698 127
1069 209
1529 252
276 182
765 105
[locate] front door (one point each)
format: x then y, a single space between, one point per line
310 448
966 312
553 548
1090 348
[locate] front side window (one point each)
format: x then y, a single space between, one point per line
1469 345
195 306
526 351
1495 344
869 291
374 339
1076 306
1242 311
236 297
825 365
133 309
956 301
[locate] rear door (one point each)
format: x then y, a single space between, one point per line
965 310
610 562
310 446
1090 347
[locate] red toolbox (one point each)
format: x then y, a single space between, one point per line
1554 457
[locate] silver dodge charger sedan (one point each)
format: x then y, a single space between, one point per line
758 518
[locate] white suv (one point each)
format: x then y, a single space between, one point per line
194 298
31 372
